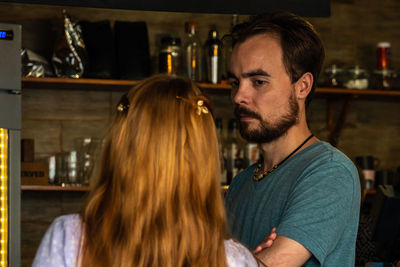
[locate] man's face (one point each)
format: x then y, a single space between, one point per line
262 92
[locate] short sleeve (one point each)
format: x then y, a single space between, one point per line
238 255
59 245
320 207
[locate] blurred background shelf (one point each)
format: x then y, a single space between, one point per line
69 188
97 84
124 85
53 188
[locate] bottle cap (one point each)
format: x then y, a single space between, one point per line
383 44
357 70
191 27
168 40
213 33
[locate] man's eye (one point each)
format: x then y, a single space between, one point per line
259 82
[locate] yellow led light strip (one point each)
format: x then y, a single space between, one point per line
3 196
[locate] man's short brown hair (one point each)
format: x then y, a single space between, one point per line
301 46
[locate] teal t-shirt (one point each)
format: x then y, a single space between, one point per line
312 198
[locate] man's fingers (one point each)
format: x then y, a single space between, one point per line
267 242
257 249
272 236
263 245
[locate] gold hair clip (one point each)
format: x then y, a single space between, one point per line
200 108
123 104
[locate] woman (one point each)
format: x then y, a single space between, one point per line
156 199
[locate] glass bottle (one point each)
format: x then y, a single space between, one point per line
234 151
192 52
222 151
213 57
170 56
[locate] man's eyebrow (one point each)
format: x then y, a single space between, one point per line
257 72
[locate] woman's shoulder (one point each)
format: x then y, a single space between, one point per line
238 255
69 226
60 243
68 221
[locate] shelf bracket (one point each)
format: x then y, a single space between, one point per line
335 129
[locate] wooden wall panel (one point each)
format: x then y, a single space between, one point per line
65 105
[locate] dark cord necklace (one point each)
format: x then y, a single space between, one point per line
258 175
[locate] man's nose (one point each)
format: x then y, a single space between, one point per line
240 95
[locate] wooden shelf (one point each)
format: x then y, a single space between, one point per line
86 188
370 191
76 84
97 84
53 188
124 85
70 188
358 92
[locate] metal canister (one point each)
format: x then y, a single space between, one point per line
383 55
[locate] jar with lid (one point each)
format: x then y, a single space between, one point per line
384 79
332 76
383 55
356 78
170 56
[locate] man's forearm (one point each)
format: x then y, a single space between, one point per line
284 252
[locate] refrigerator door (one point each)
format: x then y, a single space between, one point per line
10 110
10 125
10 57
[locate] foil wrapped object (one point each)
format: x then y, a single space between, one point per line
34 65
69 57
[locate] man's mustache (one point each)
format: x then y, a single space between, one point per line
242 111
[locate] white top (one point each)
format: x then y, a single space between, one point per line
59 246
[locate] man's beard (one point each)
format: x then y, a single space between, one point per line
267 132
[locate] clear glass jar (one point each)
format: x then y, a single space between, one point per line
384 79
356 78
332 76
170 56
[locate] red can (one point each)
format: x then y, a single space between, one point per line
383 55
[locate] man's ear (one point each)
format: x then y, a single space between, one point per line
303 85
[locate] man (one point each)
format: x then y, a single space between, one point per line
304 187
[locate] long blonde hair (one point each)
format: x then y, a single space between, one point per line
156 200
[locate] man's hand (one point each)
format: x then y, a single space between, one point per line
267 242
